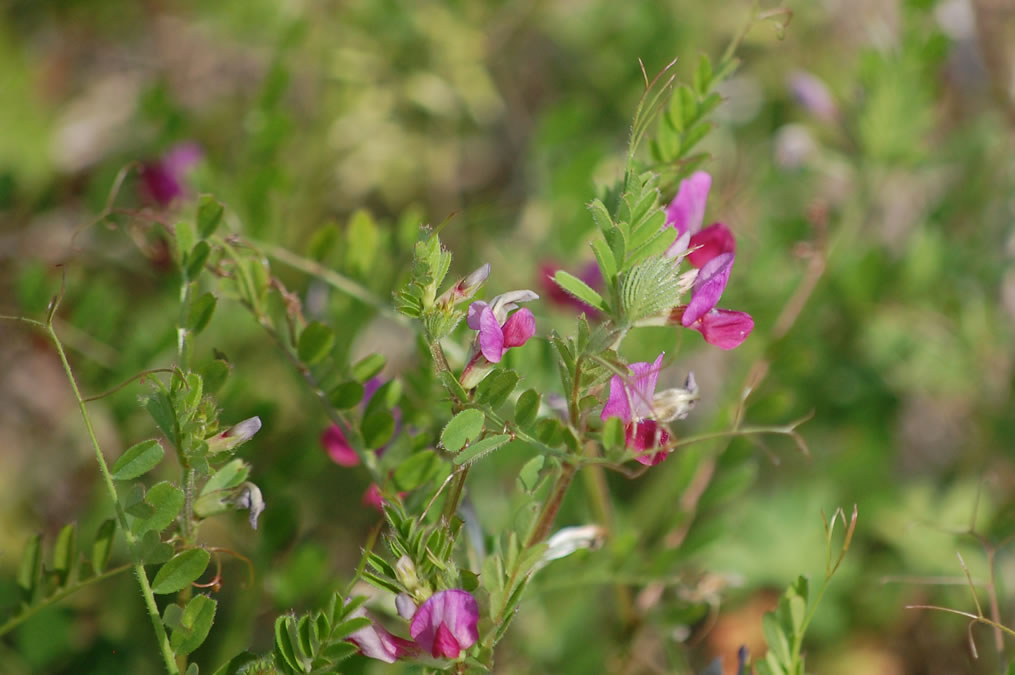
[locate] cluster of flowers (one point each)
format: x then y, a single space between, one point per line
443 627
711 250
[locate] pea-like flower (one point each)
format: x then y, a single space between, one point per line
374 641
631 401
686 213
445 625
165 179
497 332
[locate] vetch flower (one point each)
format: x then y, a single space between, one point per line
375 642
708 287
337 446
687 210
497 332
724 328
446 623
810 92
706 245
631 401
165 179
466 287
234 436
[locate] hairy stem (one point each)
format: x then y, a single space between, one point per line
552 505
139 570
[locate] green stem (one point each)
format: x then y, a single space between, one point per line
139 570
16 621
552 505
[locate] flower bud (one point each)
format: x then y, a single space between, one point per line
405 605
248 496
405 572
466 287
234 436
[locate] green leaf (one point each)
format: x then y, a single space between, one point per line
463 428
604 256
201 312
165 501
601 215
63 553
617 242
195 623
138 460
613 433
377 428
346 395
496 388
215 375
283 645
161 410
776 640
30 570
103 545
481 448
579 289
196 259
185 238
172 615
529 475
316 341
209 215
417 470
193 669
453 386
181 571
229 476
527 408
368 367
703 75
362 239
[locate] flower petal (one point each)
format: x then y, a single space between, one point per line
687 209
519 328
713 241
472 318
724 328
335 444
376 642
645 436
708 287
643 386
456 612
617 404
491 336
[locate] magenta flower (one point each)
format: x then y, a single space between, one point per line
714 240
376 642
497 332
337 446
446 624
497 336
687 210
708 287
165 179
631 401
724 328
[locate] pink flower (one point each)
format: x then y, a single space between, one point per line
495 337
631 401
166 178
708 287
375 642
337 446
687 210
446 624
714 240
724 328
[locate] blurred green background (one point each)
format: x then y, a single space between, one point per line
876 242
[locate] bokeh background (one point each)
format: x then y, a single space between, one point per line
876 249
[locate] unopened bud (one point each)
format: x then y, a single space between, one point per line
405 571
465 288
677 403
570 539
405 605
235 435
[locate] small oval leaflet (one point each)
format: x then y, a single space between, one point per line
463 428
179 572
138 460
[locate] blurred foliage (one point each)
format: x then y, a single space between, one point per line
875 253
